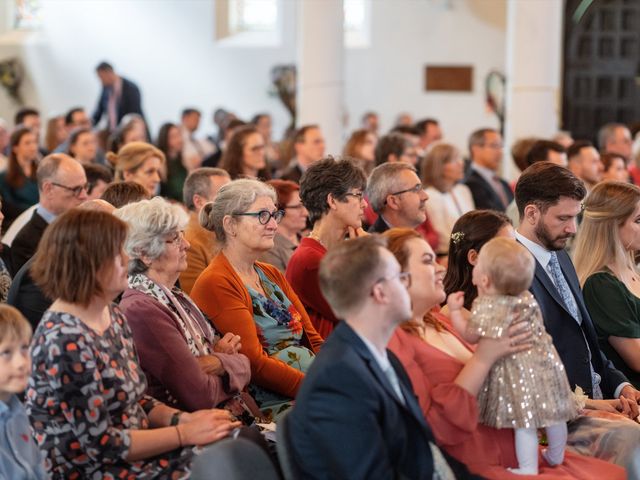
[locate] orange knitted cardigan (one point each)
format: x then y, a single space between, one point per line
222 296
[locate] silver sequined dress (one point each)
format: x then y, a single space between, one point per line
527 389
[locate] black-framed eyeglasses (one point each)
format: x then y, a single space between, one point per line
358 195
264 215
415 189
404 277
75 190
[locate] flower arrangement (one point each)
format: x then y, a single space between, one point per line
284 79
11 76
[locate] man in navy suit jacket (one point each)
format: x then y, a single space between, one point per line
489 191
549 200
356 415
119 97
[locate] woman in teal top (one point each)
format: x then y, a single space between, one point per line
18 186
604 258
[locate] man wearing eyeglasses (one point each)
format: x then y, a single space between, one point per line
489 191
356 415
62 185
395 193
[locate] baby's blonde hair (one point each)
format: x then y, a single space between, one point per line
509 265
13 325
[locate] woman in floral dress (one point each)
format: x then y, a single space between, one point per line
86 397
253 299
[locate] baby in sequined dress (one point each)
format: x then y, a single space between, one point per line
526 390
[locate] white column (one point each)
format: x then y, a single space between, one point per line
320 69
534 73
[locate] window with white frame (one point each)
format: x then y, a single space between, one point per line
357 21
248 22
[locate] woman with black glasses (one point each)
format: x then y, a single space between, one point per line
253 299
332 192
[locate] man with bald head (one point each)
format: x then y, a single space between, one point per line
62 185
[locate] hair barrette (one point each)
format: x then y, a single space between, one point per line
457 237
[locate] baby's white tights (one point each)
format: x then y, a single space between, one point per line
527 448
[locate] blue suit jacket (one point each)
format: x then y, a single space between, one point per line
129 102
568 336
347 421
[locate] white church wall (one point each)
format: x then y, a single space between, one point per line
168 47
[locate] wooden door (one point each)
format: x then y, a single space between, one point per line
601 65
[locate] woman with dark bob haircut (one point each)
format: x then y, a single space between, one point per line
86 395
332 192
245 155
469 234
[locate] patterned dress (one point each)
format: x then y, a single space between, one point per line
280 333
85 393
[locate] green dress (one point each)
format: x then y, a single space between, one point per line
615 311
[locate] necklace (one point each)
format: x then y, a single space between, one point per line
315 237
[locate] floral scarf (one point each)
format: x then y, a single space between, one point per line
197 330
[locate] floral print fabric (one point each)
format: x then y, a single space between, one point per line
280 332
85 393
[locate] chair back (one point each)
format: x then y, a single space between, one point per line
283 447
234 459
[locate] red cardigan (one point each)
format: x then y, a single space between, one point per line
302 274
222 296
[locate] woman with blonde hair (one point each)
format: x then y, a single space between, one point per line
604 258
139 162
442 171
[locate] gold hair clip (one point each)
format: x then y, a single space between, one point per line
457 237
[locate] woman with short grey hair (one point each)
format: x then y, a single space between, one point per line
187 365
253 299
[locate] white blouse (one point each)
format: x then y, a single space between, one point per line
444 209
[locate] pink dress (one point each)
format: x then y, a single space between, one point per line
452 413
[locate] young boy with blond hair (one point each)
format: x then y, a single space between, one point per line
20 458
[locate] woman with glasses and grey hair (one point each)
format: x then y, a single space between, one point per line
186 363
253 299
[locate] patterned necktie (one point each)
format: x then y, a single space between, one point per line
499 189
570 302
563 287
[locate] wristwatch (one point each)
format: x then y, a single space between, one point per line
175 418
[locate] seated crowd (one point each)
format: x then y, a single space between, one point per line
400 311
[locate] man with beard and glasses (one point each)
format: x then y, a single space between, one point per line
549 200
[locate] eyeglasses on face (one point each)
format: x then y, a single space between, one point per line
264 215
358 195
176 239
74 190
415 189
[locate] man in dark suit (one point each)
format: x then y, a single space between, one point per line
488 189
119 97
356 415
62 184
548 198
395 193
308 145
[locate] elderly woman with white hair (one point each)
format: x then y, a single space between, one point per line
253 299
186 364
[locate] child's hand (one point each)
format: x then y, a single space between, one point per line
455 301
